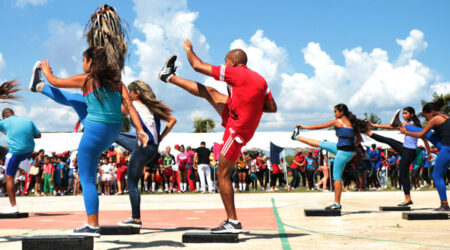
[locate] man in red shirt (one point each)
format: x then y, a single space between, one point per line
248 97
295 168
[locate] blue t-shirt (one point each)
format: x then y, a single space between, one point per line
20 133
392 161
309 163
375 154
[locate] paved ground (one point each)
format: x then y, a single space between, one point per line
270 220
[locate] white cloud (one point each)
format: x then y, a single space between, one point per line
413 44
367 81
442 88
64 47
23 3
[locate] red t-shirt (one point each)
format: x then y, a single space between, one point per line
299 159
49 168
276 169
247 94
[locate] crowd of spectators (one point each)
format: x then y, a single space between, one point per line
186 169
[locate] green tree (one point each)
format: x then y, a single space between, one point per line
126 123
373 118
203 125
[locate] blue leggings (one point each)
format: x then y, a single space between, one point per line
442 162
139 158
96 139
342 157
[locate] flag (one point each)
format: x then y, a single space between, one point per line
275 153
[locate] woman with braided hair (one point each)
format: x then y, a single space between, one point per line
348 129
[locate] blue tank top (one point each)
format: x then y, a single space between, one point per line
444 132
409 141
346 138
107 112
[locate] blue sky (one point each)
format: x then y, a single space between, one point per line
376 56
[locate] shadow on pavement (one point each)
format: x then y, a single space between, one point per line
131 245
359 212
255 236
47 214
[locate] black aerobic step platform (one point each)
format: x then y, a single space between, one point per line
322 212
118 230
395 208
58 242
425 216
207 237
13 216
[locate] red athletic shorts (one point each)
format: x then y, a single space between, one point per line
168 172
121 173
232 144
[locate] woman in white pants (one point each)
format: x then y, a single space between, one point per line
201 159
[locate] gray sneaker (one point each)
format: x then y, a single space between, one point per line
36 76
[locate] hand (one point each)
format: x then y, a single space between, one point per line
403 129
45 67
430 157
301 126
187 45
142 139
373 125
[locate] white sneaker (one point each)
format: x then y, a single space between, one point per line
10 210
36 76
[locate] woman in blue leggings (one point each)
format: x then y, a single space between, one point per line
347 127
150 111
440 123
103 94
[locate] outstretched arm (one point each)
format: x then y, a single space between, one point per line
195 62
319 126
170 123
76 81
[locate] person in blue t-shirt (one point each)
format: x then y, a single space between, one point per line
426 167
375 161
20 134
310 169
393 171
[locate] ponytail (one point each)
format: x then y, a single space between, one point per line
359 126
7 89
433 106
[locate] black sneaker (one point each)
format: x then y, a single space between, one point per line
130 223
442 208
405 204
86 231
227 227
295 133
334 206
168 70
395 122
36 76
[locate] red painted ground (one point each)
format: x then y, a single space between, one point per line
251 218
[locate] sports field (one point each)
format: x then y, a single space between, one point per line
270 221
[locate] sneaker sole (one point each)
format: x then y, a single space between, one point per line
129 225
32 76
395 116
96 235
234 231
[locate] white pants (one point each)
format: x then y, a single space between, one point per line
204 169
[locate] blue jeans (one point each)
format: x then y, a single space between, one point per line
139 158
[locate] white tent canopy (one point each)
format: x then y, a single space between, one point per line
60 142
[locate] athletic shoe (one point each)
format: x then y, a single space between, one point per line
10 210
295 133
227 227
442 208
169 69
85 230
36 76
395 122
334 206
405 204
130 223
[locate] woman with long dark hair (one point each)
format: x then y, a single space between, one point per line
407 149
440 123
348 129
100 111
151 111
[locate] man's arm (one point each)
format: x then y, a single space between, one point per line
195 62
270 106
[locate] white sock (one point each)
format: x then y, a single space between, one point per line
240 186
197 185
185 187
171 186
244 185
153 186
167 186
234 185
233 221
146 186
